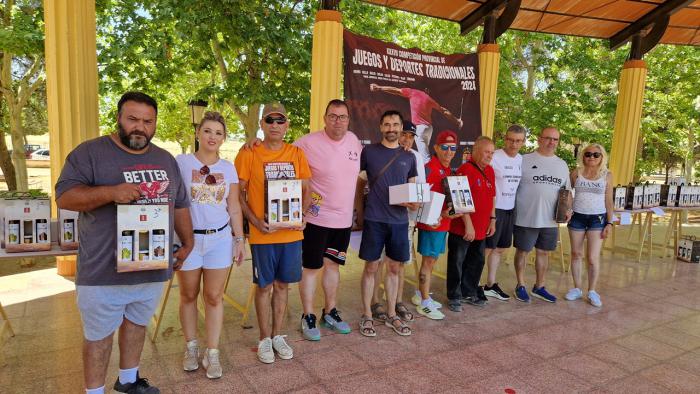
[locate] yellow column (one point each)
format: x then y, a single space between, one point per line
326 64
71 84
627 119
489 60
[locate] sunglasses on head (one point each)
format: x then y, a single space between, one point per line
453 148
593 154
275 119
210 179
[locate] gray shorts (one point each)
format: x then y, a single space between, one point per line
103 308
525 238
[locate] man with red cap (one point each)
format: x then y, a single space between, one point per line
431 238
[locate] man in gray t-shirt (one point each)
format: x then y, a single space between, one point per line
543 174
123 167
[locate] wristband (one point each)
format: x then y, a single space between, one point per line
239 239
610 223
493 218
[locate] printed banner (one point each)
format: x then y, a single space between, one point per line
435 91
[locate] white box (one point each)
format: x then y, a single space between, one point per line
27 225
652 196
283 203
458 194
638 197
409 192
143 237
430 212
684 193
619 197
672 199
68 229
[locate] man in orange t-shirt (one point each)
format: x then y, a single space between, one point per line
276 253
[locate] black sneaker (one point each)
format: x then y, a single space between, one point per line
480 294
140 386
496 292
473 300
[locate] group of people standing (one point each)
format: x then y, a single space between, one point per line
209 197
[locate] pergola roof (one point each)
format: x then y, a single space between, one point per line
587 18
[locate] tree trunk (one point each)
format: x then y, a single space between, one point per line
8 169
18 157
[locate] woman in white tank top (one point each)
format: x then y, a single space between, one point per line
592 218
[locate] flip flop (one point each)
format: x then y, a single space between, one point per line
367 329
378 313
402 329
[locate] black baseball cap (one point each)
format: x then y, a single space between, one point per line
409 127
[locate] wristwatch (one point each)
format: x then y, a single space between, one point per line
239 239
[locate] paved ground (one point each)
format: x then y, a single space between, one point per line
646 338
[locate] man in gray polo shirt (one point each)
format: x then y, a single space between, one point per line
535 203
123 167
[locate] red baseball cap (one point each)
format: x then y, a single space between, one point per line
446 136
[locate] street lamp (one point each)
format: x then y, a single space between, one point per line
197 108
577 143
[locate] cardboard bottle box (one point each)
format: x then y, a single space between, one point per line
283 199
635 197
652 195
409 193
688 249
27 223
68 229
458 194
143 242
430 212
619 197
563 206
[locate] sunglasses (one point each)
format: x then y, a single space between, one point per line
453 148
278 120
592 154
210 179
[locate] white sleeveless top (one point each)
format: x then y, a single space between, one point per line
589 195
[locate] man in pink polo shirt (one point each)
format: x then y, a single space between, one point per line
334 157
422 106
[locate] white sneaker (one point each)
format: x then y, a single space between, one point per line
574 294
211 363
594 299
190 361
430 312
416 300
265 352
280 345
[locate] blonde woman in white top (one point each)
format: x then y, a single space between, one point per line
592 218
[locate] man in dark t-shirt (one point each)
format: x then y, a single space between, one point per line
123 167
385 226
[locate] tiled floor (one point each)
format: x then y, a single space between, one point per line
645 339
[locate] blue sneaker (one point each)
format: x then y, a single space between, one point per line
333 321
543 294
521 294
308 328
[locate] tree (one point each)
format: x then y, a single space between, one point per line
21 75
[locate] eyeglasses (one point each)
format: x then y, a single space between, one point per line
335 118
592 154
512 141
453 148
278 120
550 139
209 179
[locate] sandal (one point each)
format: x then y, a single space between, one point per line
378 313
367 329
403 312
401 329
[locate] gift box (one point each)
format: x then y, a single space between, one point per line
458 195
27 224
430 212
562 208
694 195
409 193
68 229
688 249
283 203
619 197
672 198
143 239
635 197
652 195
685 192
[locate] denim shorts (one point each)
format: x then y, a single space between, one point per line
583 222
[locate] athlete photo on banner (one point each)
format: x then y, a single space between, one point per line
434 91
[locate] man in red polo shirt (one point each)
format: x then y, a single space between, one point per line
465 243
431 239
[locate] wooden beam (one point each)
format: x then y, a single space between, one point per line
668 8
474 19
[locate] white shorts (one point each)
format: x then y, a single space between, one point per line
211 251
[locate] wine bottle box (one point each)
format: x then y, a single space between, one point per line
283 203
27 225
142 237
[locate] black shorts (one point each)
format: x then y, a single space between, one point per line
503 237
320 242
